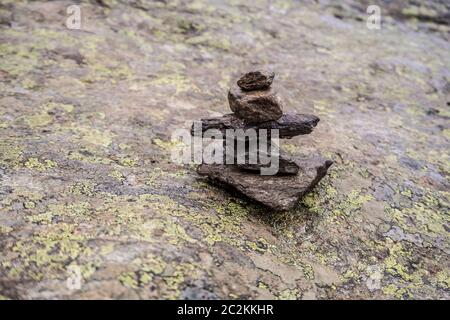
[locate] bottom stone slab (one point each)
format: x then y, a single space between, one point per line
279 192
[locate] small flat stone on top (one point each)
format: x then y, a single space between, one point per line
256 80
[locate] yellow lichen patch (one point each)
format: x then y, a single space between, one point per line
104 68
289 294
153 264
354 202
39 120
116 174
395 291
167 145
290 148
58 106
42 218
10 154
95 136
29 84
322 107
147 267
176 233
129 279
158 175
178 81
5 229
82 188
207 39
45 254
79 211
128 162
88 155
179 275
442 279
427 216
35 164
172 74
17 59
395 265
446 133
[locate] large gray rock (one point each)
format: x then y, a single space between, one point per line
256 80
279 192
255 106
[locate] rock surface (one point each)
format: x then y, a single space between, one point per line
256 80
86 179
276 192
289 125
255 106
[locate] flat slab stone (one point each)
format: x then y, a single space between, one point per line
279 192
289 125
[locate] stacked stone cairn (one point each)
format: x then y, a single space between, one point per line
255 105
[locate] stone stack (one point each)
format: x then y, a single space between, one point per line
255 105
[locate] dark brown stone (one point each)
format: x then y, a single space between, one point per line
289 125
255 106
285 166
256 80
279 192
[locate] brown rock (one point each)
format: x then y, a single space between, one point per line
256 80
255 106
286 166
279 192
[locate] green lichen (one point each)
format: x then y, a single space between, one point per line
39 120
116 174
129 279
289 294
82 188
35 164
95 136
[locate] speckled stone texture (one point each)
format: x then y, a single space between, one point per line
87 184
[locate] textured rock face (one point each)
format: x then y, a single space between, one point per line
86 179
255 106
256 80
276 192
